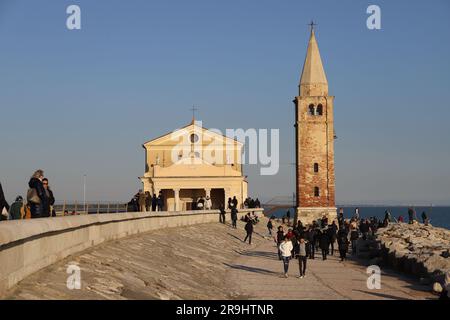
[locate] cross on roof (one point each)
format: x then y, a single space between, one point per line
312 24
193 109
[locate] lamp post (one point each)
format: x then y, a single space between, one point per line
84 192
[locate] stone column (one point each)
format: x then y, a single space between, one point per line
227 192
156 192
177 199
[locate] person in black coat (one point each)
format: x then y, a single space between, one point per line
332 234
222 214
249 229
3 202
154 202
310 236
279 239
48 212
234 218
324 243
342 239
234 202
37 208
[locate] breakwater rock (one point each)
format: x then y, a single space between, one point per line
421 250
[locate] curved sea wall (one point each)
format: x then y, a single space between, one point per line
27 246
423 251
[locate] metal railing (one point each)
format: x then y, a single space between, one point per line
90 208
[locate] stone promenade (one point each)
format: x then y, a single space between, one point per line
207 261
256 274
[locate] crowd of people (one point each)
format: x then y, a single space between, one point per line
39 201
251 203
327 237
145 202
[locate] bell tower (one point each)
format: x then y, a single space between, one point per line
314 127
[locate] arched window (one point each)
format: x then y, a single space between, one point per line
319 110
311 110
316 192
316 167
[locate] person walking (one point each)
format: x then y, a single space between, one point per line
311 239
234 218
48 208
324 244
17 209
278 240
270 227
286 251
288 217
354 235
3 203
342 239
302 257
36 195
222 214
332 234
249 229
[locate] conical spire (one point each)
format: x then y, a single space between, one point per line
313 81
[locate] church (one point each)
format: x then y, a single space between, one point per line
194 162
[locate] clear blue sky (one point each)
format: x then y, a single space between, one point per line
76 102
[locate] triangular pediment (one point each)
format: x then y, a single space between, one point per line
183 135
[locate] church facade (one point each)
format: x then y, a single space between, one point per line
194 162
314 126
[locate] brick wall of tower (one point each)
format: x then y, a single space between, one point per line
315 144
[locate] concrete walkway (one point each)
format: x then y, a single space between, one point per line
256 274
206 261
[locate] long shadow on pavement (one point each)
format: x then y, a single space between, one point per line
251 269
262 254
